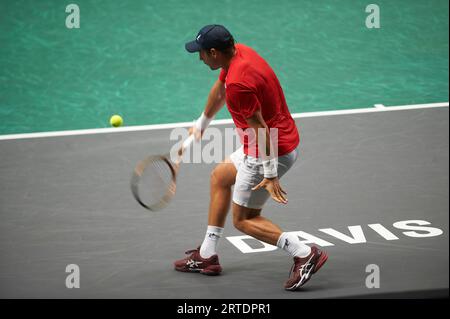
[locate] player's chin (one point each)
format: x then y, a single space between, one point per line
214 67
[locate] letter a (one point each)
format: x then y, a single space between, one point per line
73 280
373 19
373 280
73 19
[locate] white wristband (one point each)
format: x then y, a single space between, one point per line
203 122
270 168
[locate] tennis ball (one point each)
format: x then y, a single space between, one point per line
116 120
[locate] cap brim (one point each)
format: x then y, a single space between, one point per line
192 47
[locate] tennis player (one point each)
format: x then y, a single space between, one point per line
255 100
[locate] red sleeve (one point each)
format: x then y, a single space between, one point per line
222 75
243 99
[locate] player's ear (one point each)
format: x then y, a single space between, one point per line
213 52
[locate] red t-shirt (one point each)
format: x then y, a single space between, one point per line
251 84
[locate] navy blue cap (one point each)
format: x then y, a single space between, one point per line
210 36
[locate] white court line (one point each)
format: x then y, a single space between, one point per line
377 108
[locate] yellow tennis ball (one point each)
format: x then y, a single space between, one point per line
116 120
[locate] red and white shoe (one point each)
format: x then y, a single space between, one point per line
304 268
195 263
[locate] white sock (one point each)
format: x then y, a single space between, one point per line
291 243
209 245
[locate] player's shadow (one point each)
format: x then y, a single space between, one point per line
324 279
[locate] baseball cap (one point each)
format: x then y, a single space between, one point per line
210 36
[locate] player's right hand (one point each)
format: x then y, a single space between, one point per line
197 133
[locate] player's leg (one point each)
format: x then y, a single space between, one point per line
306 260
250 222
222 179
204 259
247 205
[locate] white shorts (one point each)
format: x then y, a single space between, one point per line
250 173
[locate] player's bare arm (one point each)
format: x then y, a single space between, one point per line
271 184
216 100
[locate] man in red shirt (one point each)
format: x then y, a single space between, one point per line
270 139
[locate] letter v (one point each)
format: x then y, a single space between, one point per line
355 231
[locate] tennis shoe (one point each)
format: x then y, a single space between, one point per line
195 263
304 268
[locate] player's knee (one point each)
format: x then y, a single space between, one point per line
218 178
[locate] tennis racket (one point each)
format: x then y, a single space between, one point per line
153 183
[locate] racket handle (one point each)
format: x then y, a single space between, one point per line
187 142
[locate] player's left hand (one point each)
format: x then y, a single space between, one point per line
272 185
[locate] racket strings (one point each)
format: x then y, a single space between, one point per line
156 182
